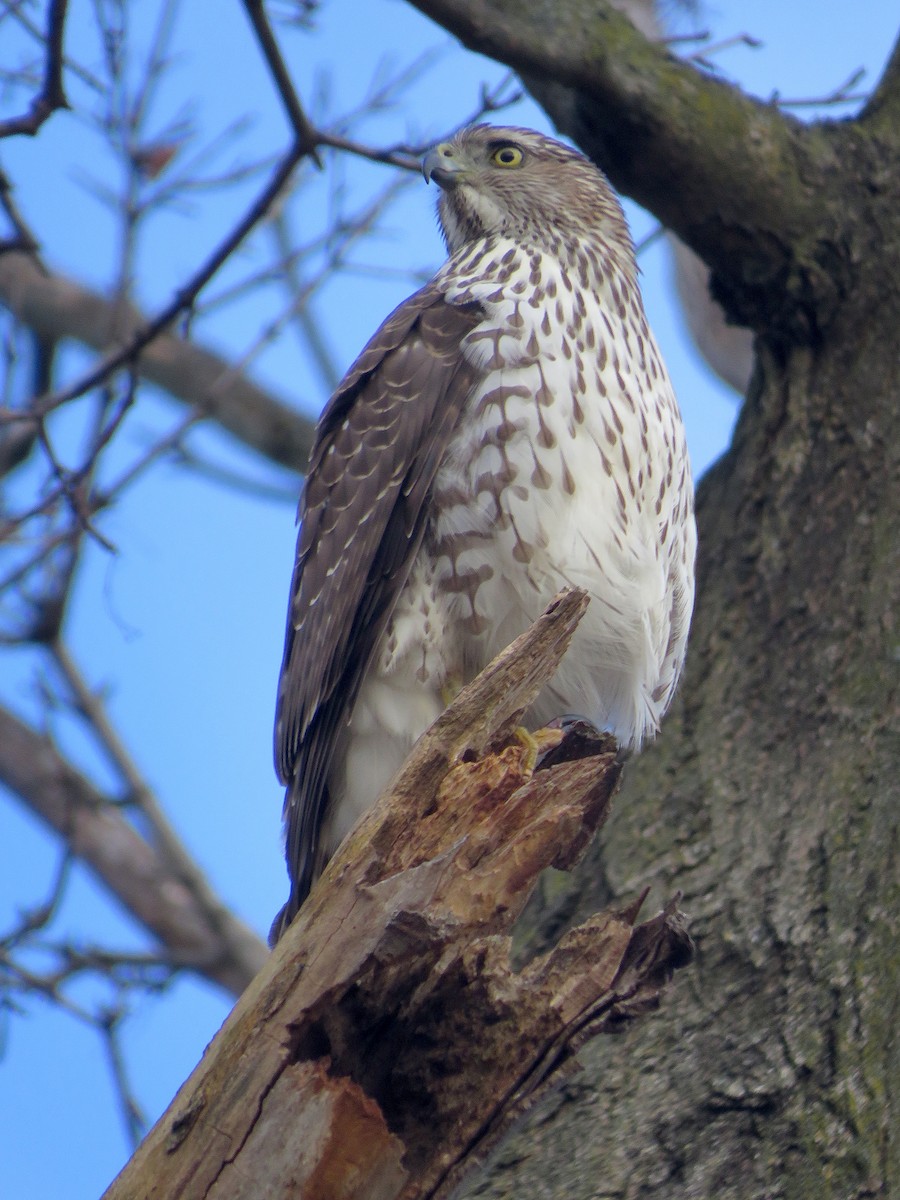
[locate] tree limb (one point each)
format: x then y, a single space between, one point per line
210 941
883 110
388 1043
767 202
56 307
653 118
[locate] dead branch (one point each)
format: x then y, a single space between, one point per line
388 1043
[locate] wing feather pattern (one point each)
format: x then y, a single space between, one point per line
362 518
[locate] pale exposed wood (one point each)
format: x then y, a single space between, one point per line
388 1043
316 1136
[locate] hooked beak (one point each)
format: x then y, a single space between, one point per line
442 164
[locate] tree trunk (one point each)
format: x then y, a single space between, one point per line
771 801
773 795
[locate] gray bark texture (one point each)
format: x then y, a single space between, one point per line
772 798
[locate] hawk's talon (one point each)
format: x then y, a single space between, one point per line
537 744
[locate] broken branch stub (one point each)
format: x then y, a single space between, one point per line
388 1043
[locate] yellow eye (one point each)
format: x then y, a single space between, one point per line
507 156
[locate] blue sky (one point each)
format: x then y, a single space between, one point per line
184 626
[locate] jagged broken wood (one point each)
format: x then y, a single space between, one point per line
388 1042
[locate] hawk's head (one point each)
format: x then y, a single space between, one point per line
520 184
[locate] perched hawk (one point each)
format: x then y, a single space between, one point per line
509 430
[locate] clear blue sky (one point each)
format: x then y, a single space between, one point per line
184 627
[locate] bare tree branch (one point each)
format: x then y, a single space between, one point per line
183 298
726 172
140 796
307 138
132 1113
24 238
212 943
52 95
57 308
740 165
660 99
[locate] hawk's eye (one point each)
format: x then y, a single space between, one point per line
507 156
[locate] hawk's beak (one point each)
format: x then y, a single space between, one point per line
443 165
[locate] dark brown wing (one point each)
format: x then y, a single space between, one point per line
362 518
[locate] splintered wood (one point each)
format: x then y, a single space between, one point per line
388 1042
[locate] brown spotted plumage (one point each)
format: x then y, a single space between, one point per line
509 430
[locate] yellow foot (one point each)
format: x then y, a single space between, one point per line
537 743
450 689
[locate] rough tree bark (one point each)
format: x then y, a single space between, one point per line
771 799
388 1042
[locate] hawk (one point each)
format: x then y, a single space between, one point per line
509 430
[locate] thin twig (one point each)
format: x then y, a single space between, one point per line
26 980
409 157
153 72
95 502
680 39
41 914
306 136
703 58
89 705
650 239
52 96
391 157
842 94
308 327
16 11
344 234
25 239
182 300
71 486
234 480
165 445
91 708
133 1115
